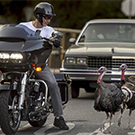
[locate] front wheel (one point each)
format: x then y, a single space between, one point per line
9 117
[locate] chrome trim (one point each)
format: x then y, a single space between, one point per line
46 88
107 74
90 71
92 75
110 62
22 92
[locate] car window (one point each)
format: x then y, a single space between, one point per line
109 33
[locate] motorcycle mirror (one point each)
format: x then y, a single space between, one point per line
57 34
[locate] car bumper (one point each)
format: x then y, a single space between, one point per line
92 75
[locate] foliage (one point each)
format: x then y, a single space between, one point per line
70 13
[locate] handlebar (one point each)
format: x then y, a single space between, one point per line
52 42
55 35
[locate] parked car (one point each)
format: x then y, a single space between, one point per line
102 42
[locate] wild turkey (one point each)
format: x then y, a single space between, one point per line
108 97
125 88
129 93
123 68
131 79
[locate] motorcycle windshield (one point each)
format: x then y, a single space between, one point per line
13 34
18 39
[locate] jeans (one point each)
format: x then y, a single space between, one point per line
54 90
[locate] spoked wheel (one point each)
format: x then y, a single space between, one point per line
9 115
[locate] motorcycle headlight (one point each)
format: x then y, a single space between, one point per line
16 56
13 57
4 56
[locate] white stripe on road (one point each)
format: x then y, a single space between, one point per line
42 131
54 131
98 131
131 133
25 126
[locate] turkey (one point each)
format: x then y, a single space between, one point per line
123 68
129 93
108 97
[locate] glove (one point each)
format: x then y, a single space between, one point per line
56 43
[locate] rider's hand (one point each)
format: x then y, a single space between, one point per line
56 43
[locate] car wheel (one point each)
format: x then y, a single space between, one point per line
75 91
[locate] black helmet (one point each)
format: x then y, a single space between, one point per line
43 8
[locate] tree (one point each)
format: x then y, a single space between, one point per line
70 13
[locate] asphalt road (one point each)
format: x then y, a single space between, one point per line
82 120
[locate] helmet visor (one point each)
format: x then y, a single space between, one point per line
47 17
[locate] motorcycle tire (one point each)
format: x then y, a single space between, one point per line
8 121
39 123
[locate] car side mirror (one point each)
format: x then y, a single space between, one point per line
72 40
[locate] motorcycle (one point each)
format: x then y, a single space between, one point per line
23 97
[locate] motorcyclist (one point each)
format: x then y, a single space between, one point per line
43 13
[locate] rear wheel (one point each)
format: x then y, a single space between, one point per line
39 123
37 116
9 117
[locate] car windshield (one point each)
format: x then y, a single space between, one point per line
114 32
